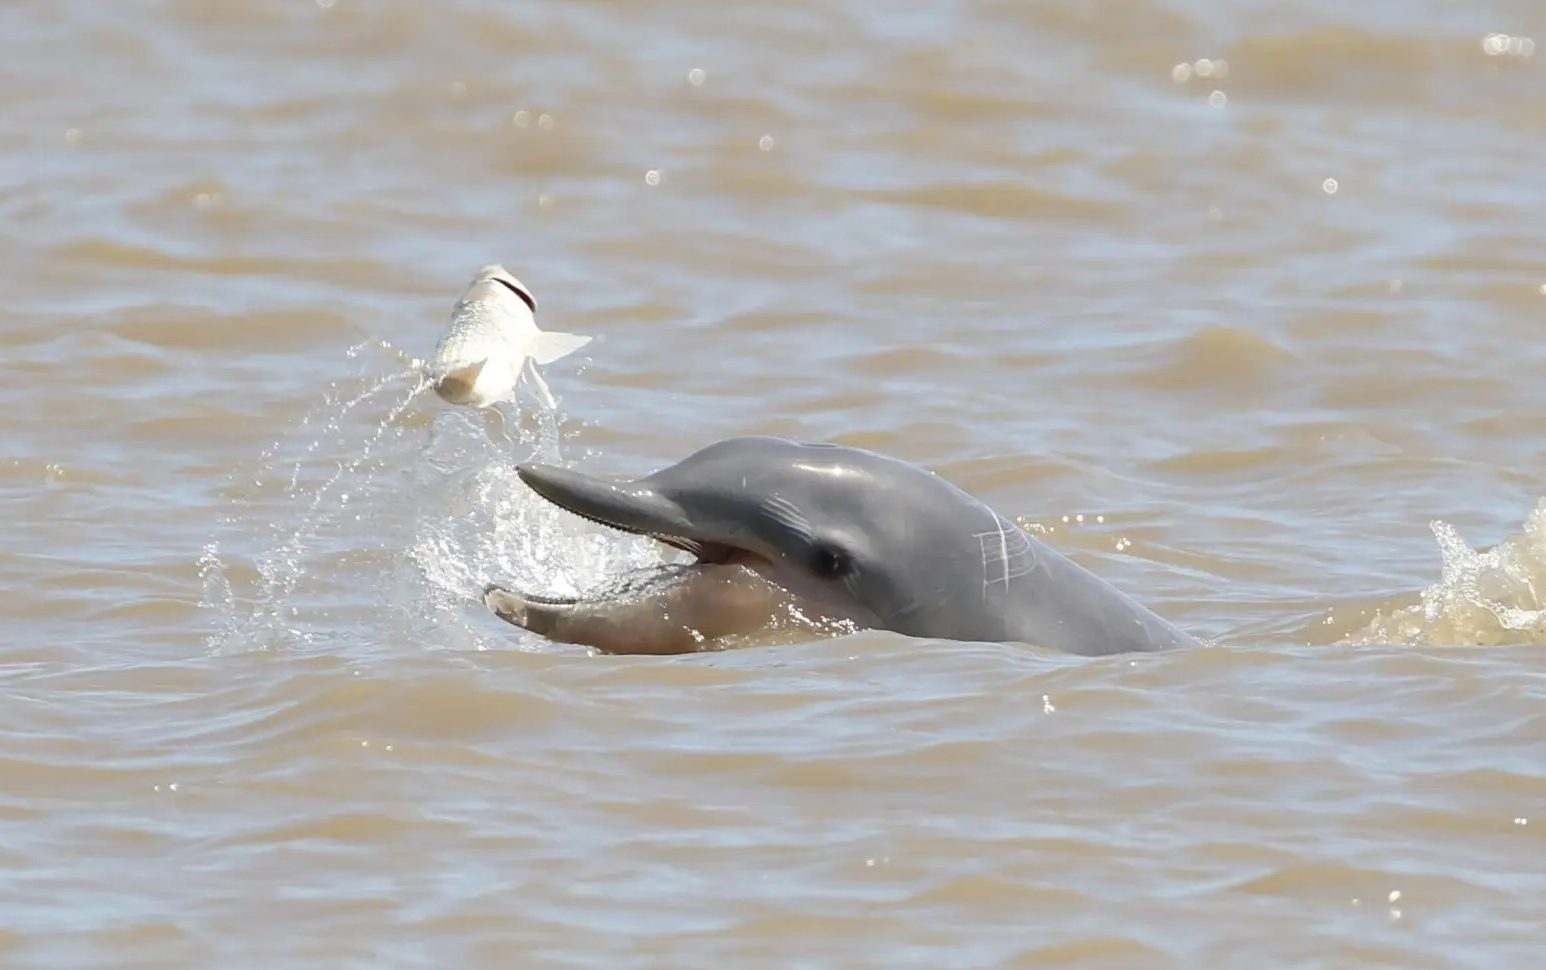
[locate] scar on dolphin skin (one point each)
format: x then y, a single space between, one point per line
1007 554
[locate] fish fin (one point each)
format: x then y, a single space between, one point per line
548 346
539 386
460 385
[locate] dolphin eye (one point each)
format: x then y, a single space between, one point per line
830 562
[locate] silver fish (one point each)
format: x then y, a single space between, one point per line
493 342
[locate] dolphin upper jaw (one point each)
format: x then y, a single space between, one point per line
628 508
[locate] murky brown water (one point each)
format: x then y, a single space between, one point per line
1230 303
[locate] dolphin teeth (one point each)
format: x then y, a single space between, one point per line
499 598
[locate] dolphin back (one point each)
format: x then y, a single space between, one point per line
1054 602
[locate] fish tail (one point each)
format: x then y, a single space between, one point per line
549 346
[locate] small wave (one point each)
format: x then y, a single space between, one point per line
195 328
1321 60
1482 598
1217 358
1001 200
95 252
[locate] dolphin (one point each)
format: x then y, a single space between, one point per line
830 531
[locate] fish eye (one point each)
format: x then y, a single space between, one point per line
830 562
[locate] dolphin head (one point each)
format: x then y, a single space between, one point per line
848 529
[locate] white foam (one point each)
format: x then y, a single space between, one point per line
1482 597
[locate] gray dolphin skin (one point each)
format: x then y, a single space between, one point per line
826 529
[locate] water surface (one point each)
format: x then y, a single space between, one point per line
1229 304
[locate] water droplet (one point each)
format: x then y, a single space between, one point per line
1218 99
765 143
1521 821
1203 67
696 77
1100 520
1181 73
1499 45
1329 186
1395 894
1079 517
545 121
521 118
652 177
1047 707
544 201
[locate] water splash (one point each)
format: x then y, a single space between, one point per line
1482 597
381 515
290 514
476 523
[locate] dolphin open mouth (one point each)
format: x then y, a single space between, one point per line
673 607
632 508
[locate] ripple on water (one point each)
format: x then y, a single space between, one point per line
1219 359
1000 239
1001 200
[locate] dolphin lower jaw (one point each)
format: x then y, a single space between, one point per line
672 608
